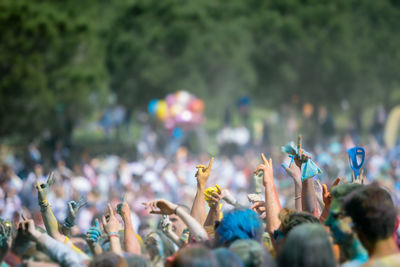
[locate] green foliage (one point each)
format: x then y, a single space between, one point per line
56 56
48 68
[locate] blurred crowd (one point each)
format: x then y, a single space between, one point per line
106 179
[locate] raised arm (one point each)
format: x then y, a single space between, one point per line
111 227
199 204
92 238
57 251
73 208
213 198
272 204
295 173
165 207
132 244
327 197
166 227
50 221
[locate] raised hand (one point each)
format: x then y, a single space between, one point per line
111 224
213 198
294 172
161 206
73 208
123 208
203 172
94 233
27 226
326 195
228 197
266 168
259 207
362 179
43 189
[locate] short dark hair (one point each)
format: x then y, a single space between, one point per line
308 245
196 255
291 218
372 211
341 191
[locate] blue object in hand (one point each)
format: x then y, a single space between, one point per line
353 159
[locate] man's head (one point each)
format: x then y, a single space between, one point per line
338 224
177 224
239 224
373 213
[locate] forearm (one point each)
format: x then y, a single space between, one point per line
309 199
95 248
212 217
59 252
132 244
194 226
199 206
115 245
297 197
272 207
51 223
175 238
324 214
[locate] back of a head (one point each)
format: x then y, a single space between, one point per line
239 224
373 213
290 219
108 259
226 258
196 256
251 252
307 245
341 191
136 260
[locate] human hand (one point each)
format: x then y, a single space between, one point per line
259 207
326 195
294 172
213 197
123 208
228 197
266 168
27 226
73 208
94 233
166 224
110 224
203 173
161 206
362 179
43 189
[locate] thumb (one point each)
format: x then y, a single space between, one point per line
96 223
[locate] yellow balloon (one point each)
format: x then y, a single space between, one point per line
162 110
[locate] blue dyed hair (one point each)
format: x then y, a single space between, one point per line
239 224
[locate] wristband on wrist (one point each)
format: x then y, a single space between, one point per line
110 234
67 224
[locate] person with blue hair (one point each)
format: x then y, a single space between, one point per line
238 224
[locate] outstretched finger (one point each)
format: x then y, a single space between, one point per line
299 141
336 182
218 189
324 190
264 159
23 217
103 220
50 179
110 209
70 208
123 198
156 212
210 163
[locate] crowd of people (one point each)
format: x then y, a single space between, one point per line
242 210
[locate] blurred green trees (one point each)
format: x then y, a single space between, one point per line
60 59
